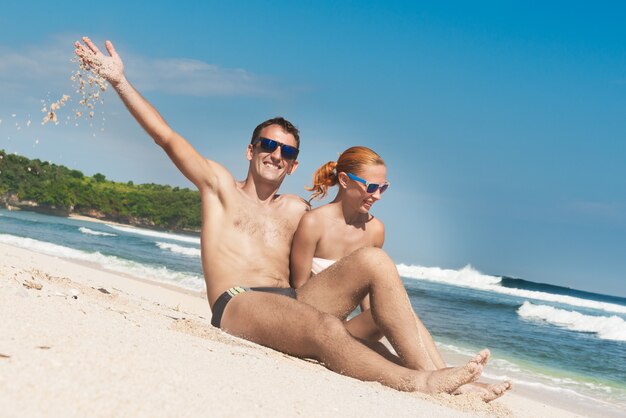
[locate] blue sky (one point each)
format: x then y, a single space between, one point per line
503 124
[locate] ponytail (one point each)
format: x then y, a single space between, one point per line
324 178
352 160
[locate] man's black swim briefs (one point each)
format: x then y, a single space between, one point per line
222 301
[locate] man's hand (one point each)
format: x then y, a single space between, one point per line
109 67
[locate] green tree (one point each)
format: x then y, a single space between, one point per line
99 177
64 188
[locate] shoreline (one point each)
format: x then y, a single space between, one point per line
104 221
85 218
95 220
145 313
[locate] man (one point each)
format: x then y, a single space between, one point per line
247 229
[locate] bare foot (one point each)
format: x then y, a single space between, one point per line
486 391
485 355
450 379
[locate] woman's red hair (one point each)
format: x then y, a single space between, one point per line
351 160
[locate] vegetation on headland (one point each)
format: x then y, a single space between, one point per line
55 189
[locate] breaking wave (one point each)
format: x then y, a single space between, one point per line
92 232
471 278
605 327
188 251
155 273
156 234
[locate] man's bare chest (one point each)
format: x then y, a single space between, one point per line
263 226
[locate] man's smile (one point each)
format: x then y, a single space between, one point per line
272 165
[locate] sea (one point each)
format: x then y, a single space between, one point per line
564 345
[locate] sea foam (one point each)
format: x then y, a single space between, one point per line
156 234
162 274
606 327
467 276
575 388
92 232
471 278
188 251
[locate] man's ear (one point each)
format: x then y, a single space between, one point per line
343 178
249 152
293 167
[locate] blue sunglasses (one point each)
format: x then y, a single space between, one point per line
269 145
370 187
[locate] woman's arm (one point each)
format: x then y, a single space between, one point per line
303 249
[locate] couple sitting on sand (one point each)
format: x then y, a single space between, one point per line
247 235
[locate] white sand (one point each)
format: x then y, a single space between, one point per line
148 350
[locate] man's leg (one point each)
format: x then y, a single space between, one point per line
363 327
487 392
300 330
323 291
338 289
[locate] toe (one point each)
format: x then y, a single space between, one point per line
485 355
497 391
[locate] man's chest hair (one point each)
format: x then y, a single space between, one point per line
265 224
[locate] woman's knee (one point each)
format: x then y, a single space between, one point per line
373 259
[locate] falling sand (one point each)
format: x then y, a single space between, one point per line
51 114
88 85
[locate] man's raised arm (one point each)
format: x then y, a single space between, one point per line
195 167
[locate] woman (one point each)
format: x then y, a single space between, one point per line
334 230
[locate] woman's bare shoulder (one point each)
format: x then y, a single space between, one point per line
375 223
318 217
376 228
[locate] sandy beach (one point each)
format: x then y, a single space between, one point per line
80 341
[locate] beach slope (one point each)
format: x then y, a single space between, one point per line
79 341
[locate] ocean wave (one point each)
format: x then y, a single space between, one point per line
592 394
92 232
471 278
501 364
188 251
467 276
156 234
161 274
576 388
606 327
601 394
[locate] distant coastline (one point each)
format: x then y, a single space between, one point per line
51 189
98 218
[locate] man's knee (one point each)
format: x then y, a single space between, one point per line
328 329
